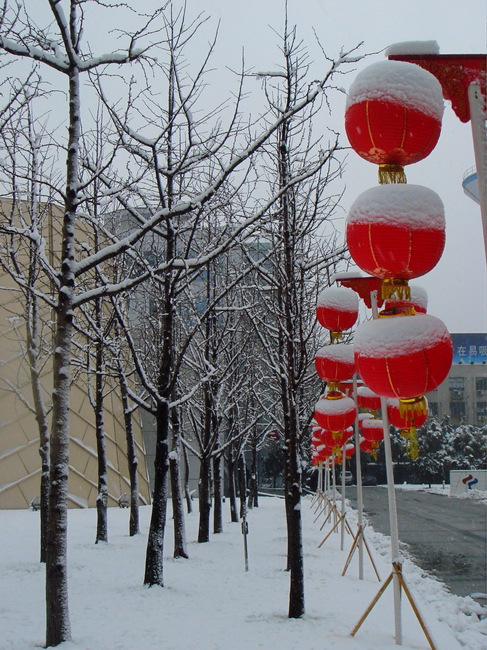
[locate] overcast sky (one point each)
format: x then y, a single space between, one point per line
457 286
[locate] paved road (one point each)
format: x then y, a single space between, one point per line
447 537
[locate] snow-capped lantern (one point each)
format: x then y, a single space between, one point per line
396 233
403 356
393 116
402 416
373 430
335 412
367 399
335 363
337 310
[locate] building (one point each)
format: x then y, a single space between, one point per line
20 462
463 395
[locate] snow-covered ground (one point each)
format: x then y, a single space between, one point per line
475 495
209 602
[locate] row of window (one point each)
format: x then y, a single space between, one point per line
458 384
458 411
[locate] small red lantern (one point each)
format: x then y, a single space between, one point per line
393 116
337 310
396 232
373 430
403 356
369 447
336 439
335 363
408 415
367 399
335 412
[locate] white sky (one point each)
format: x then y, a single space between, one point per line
457 286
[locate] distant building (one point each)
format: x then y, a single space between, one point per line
463 395
20 462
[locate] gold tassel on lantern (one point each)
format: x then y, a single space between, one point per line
411 442
408 407
395 288
389 173
335 336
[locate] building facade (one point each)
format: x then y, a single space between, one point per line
463 395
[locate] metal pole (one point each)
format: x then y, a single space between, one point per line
396 560
245 532
477 117
360 506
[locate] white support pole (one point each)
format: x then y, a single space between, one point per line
360 504
334 480
477 103
395 557
342 525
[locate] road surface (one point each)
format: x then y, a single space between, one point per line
447 537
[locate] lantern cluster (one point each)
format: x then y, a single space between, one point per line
335 411
396 232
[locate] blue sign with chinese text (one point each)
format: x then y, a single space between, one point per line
469 348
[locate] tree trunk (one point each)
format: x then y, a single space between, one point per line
131 457
254 479
187 493
180 549
232 491
217 495
242 482
102 496
157 528
204 501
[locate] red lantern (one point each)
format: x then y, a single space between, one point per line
335 363
403 418
396 232
336 439
335 412
393 115
403 356
367 399
369 447
373 430
361 418
337 310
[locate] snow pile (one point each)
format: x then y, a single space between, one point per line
386 338
340 298
341 352
398 82
400 205
419 296
413 47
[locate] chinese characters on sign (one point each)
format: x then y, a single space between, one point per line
470 348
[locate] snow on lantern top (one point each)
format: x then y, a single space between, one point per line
413 47
339 298
341 352
396 336
335 406
399 205
400 82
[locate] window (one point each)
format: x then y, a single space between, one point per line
457 412
433 408
482 412
457 387
481 385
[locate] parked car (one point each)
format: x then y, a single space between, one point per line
348 478
369 479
